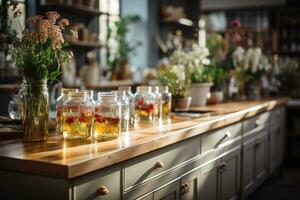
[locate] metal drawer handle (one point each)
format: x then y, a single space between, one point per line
102 191
159 165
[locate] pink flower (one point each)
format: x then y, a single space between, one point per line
34 20
56 37
53 16
63 23
235 23
236 37
44 25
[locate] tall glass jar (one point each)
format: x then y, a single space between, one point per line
166 101
124 106
144 104
130 97
35 110
77 116
107 116
59 106
157 113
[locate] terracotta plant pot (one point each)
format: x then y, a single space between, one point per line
181 104
216 97
199 92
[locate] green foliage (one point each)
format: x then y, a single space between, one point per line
118 32
218 74
174 77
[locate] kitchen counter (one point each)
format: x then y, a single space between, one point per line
71 159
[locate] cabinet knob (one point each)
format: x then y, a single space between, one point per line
257 122
159 165
228 134
278 113
185 188
223 167
102 191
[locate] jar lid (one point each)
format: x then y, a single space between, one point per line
77 95
124 88
144 88
65 91
163 88
107 96
155 89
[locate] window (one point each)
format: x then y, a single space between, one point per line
110 12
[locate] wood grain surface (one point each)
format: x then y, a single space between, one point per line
70 159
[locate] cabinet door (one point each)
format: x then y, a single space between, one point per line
261 157
275 147
208 181
189 186
230 175
248 177
168 192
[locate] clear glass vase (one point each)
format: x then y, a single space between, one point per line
35 110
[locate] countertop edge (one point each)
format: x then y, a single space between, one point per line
88 166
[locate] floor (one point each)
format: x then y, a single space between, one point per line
286 187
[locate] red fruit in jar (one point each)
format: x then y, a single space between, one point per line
112 120
141 102
150 108
70 120
99 118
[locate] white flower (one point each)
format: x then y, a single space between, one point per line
238 56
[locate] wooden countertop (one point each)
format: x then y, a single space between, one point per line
70 159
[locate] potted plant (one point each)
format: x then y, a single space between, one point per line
38 54
119 56
197 71
218 75
174 77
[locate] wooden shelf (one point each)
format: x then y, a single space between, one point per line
83 10
84 44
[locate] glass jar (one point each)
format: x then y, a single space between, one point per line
107 116
59 106
77 116
157 113
130 97
144 105
166 101
123 101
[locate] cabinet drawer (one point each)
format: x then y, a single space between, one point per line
214 139
256 121
143 168
103 185
277 114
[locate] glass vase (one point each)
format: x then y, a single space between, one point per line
35 110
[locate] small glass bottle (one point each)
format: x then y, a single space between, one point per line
130 97
123 101
157 113
144 105
166 101
59 106
106 117
77 116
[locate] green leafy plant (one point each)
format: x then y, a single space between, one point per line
218 74
117 33
174 77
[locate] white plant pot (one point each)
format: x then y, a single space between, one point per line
199 92
216 97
